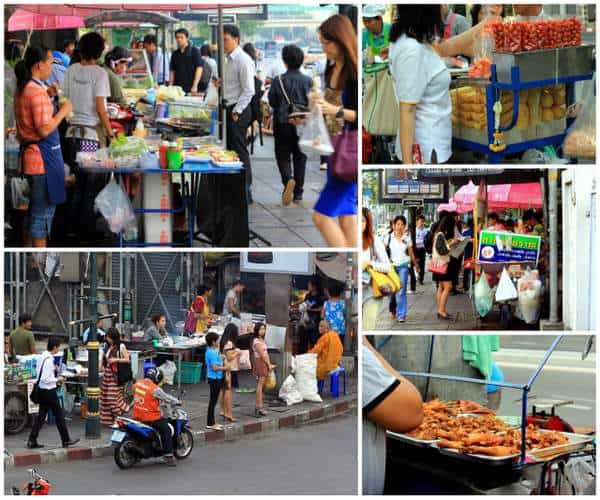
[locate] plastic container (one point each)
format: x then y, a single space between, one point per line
162 154
174 157
188 373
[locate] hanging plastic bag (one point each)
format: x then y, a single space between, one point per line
506 289
581 136
315 137
482 61
484 300
529 288
271 381
114 205
289 391
19 189
212 96
168 369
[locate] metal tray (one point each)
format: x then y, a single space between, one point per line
479 459
576 442
411 440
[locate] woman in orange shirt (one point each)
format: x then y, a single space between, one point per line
40 156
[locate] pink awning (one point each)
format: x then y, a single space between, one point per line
84 10
501 196
23 20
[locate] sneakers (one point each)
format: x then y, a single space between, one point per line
72 442
288 192
169 460
34 445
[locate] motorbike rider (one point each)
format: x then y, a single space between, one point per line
146 408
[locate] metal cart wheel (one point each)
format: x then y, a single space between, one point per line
16 416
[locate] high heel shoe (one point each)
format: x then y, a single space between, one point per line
441 316
259 412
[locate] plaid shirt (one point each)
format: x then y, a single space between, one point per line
33 109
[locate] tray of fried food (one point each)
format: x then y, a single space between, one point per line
542 443
436 415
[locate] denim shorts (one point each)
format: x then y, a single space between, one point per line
41 212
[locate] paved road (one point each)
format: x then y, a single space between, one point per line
570 342
314 459
566 378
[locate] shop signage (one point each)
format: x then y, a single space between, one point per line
213 19
499 246
458 172
412 203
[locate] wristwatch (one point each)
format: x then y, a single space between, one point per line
340 112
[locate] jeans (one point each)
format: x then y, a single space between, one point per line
49 401
401 302
162 426
215 389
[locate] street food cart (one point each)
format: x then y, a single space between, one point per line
490 454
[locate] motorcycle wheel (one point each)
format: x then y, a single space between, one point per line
15 412
184 445
123 456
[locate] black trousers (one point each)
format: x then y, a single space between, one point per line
236 138
162 426
420 257
215 389
288 155
413 278
49 401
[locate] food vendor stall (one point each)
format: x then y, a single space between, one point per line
518 99
464 447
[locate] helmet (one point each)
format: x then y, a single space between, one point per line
373 10
61 58
154 374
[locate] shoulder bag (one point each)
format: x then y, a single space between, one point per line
35 390
124 374
438 264
294 110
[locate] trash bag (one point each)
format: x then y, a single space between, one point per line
306 376
315 139
506 289
581 474
580 141
168 369
289 391
114 205
529 289
484 300
19 190
271 381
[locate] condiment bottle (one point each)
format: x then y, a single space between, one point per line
162 154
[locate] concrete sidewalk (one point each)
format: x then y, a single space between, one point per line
278 417
422 313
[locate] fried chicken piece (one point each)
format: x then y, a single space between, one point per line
456 445
483 439
493 451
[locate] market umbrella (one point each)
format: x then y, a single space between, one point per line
23 20
528 195
451 206
465 196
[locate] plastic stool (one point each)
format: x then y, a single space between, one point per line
334 382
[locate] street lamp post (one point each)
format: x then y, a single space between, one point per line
92 422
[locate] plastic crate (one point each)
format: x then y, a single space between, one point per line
189 372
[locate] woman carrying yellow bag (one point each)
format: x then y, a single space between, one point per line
374 259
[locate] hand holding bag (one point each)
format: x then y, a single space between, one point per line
384 284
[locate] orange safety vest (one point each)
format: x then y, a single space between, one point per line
145 406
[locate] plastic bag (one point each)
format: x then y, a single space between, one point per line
581 136
289 391
529 288
482 62
168 369
306 376
19 189
114 205
506 289
271 381
212 96
315 137
581 474
484 300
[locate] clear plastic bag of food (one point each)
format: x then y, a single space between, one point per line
114 205
580 141
506 289
315 139
484 299
482 60
529 288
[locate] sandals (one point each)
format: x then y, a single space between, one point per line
230 419
215 427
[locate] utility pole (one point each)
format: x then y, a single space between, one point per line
92 422
349 292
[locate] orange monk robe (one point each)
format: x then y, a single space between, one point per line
329 350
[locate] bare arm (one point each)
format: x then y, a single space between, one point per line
408 113
404 396
462 44
103 114
197 77
53 124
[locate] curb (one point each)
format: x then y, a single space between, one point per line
202 438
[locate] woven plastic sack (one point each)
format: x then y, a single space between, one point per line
114 205
581 136
315 139
379 101
289 391
506 289
484 299
306 376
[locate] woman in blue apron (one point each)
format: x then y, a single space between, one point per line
40 156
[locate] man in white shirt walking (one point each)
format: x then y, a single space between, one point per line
48 382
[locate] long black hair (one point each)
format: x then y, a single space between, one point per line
231 332
33 55
420 22
446 226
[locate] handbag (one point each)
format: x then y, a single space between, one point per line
380 107
124 374
294 109
438 264
384 284
35 390
343 162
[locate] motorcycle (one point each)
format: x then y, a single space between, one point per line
38 485
135 440
122 119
